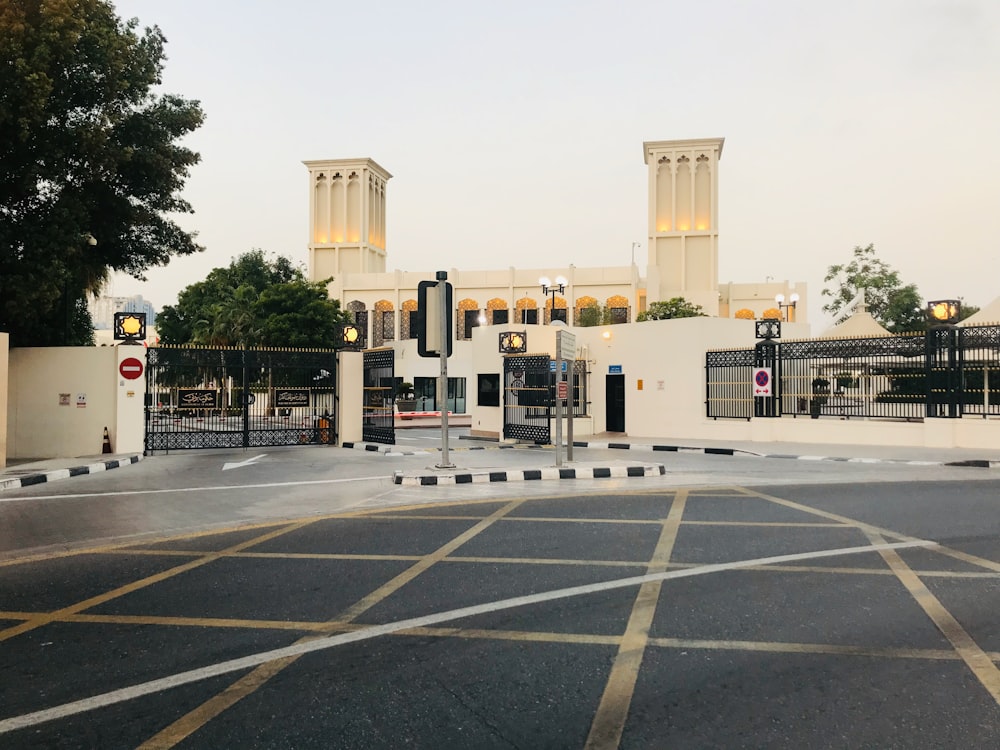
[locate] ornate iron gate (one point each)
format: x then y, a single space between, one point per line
527 397
379 396
238 398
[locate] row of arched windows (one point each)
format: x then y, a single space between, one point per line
586 311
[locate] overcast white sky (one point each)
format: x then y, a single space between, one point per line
514 130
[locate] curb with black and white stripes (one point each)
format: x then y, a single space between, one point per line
390 450
397 450
28 480
975 462
527 475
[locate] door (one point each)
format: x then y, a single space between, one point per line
614 387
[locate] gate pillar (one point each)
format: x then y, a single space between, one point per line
350 391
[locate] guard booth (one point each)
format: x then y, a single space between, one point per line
528 398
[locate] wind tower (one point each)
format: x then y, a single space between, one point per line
346 217
683 233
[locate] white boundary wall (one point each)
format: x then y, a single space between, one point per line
60 399
668 357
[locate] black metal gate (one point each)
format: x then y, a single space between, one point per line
238 398
527 397
379 396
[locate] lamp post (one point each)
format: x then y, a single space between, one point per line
553 288
793 300
944 385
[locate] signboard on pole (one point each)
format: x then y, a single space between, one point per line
762 385
567 345
433 335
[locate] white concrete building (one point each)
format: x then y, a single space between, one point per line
347 243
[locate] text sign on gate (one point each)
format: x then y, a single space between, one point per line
762 382
562 390
130 368
552 365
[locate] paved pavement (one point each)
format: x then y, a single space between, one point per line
722 615
637 458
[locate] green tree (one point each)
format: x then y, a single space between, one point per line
87 152
896 306
675 307
255 301
594 315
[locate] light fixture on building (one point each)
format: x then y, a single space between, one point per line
348 336
513 342
768 329
553 288
944 312
786 308
130 327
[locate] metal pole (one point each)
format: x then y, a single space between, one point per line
443 380
559 403
569 417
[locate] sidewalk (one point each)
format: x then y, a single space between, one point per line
636 452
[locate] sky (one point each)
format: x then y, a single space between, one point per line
514 130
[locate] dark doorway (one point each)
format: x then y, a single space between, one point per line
615 403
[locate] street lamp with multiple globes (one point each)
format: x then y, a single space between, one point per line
553 288
792 301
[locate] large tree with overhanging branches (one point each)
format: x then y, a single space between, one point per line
91 162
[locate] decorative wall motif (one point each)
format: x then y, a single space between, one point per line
464 331
619 309
359 313
406 331
384 329
581 304
497 311
560 306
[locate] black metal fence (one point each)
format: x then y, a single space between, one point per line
238 398
527 397
947 372
378 407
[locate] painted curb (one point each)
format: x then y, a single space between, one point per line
56 474
977 463
526 475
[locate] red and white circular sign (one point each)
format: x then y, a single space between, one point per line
130 368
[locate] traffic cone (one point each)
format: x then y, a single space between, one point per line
107 442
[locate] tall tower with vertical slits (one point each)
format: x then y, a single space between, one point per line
346 217
683 241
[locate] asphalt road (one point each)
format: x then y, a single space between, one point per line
298 599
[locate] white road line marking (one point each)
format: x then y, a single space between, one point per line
246 462
254 660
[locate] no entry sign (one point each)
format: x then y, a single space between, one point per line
130 368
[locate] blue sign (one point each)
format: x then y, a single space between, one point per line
614 369
552 365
